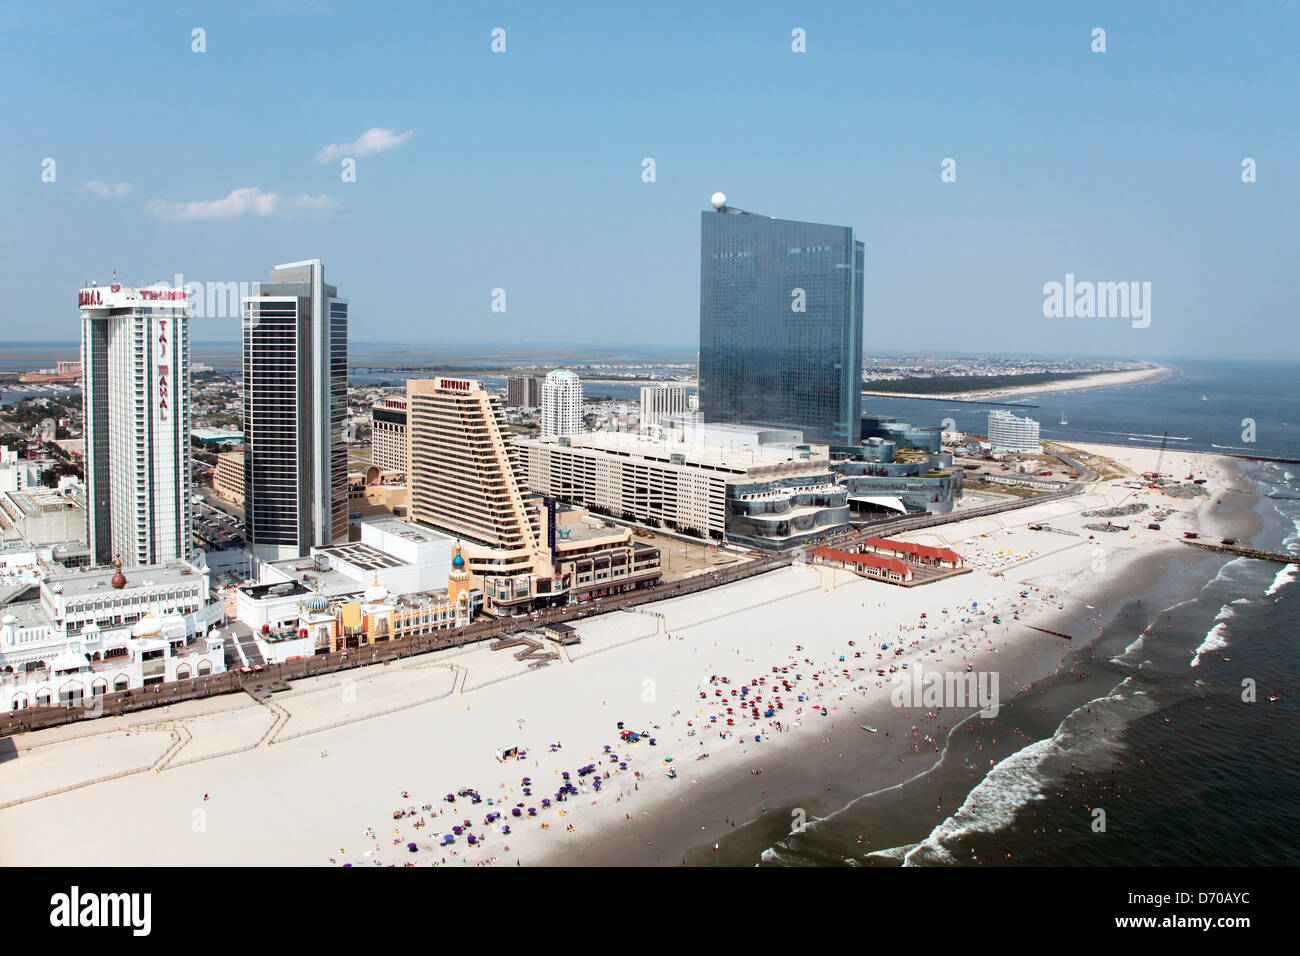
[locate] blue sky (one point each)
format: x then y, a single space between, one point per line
522 169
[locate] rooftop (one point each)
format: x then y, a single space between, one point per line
363 556
406 529
27 613
277 589
97 580
732 461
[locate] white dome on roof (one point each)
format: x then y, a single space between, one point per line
376 593
147 626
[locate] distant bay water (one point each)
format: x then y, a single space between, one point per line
1204 406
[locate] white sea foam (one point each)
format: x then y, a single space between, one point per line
893 853
1285 576
1132 648
1020 777
1214 639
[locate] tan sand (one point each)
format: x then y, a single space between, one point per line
311 799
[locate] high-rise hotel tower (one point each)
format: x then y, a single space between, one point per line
781 324
464 477
295 413
561 404
135 360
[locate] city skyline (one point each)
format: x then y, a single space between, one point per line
543 195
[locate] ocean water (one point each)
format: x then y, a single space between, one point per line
1151 724
1204 407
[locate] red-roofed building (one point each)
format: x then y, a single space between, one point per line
869 565
914 553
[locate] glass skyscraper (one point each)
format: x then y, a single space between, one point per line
295 413
781 324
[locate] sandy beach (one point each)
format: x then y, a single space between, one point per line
316 777
1100 380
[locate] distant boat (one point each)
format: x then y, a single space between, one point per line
870 730
1064 420
1205 398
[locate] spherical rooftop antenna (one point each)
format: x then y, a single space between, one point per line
719 200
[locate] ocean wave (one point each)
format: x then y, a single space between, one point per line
1021 777
1150 628
1229 573
1214 639
1132 648
893 853
1285 576
1144 435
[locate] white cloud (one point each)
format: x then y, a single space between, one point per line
104 190
239 203
372 141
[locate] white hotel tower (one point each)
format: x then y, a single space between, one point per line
1008 432
561 404
135 360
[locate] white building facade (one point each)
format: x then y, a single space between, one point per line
17 474
136 394
97 632
660 400
561 404
1008 432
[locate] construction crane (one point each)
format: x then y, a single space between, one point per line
1160 459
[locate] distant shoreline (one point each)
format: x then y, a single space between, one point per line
1099 380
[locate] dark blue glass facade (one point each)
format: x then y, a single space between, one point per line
781 325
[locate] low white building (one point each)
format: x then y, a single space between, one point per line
96 632
17 473
401 557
